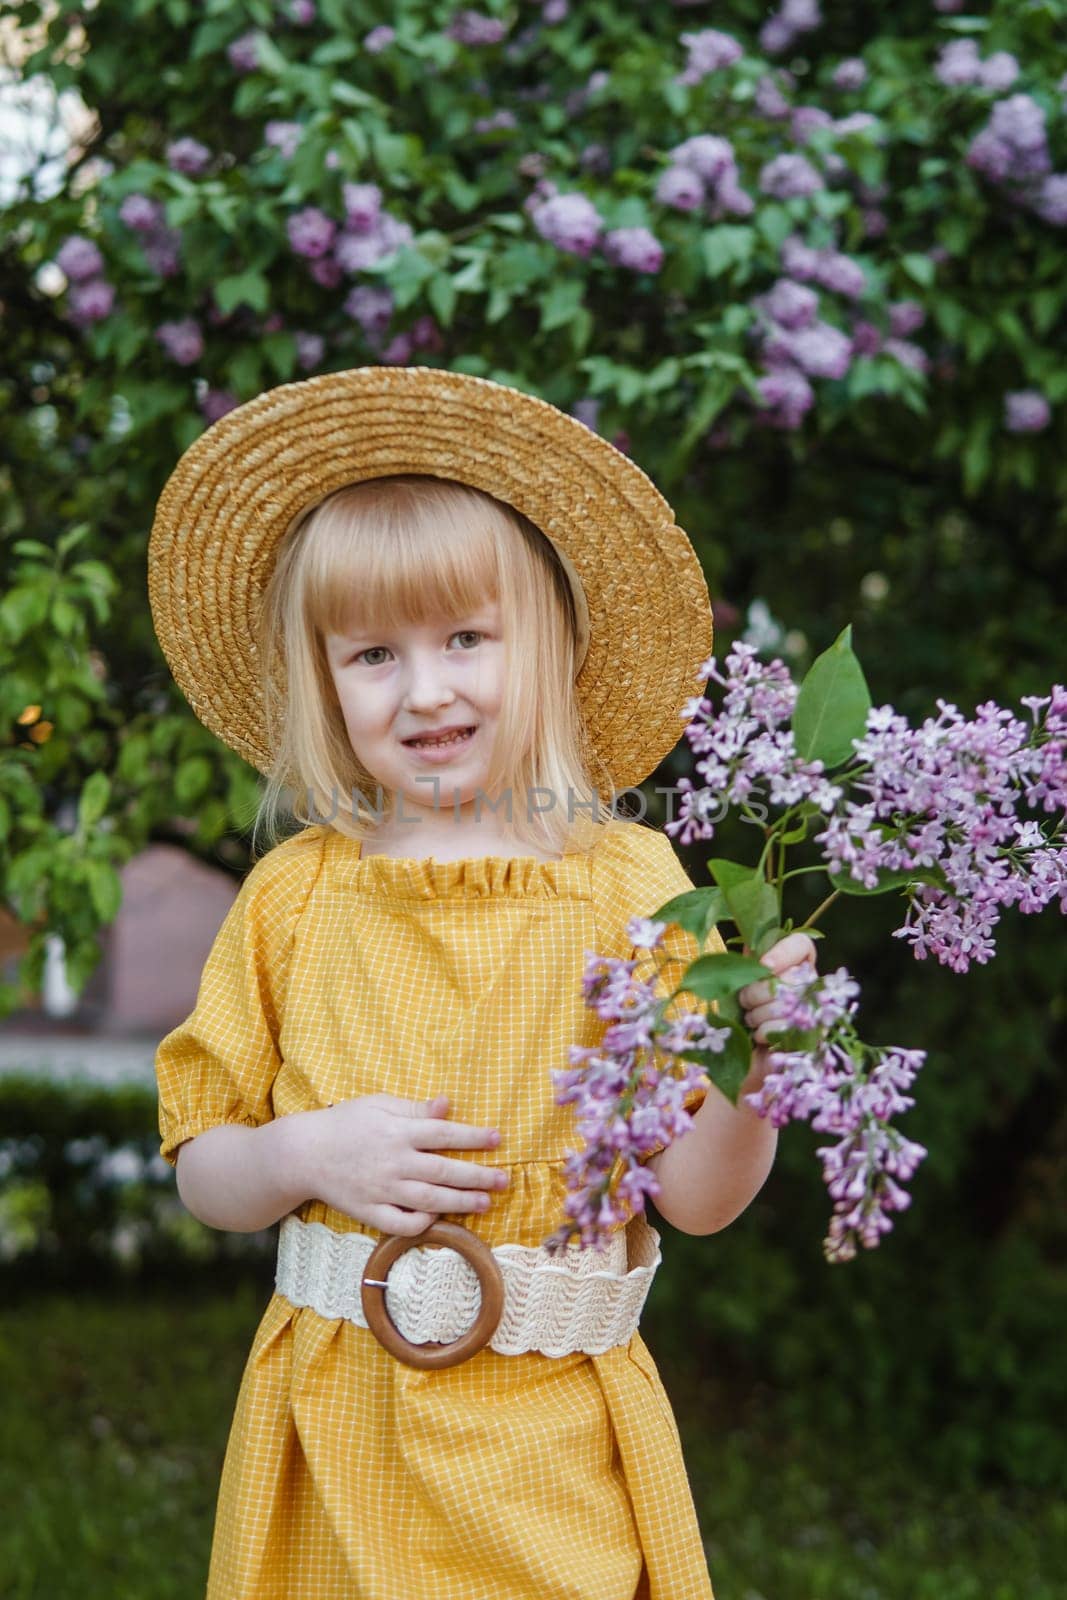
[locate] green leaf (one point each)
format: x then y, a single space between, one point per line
560 302
245 288
66 618
280 350
751 901
192 780
441 293
919 268
92 802
716 976
774 223
697 911
105 889
889 881
832 705
726 246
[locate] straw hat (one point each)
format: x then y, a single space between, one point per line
640 595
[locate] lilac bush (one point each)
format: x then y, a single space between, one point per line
737 244
937 813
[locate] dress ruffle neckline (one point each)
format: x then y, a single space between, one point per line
471 877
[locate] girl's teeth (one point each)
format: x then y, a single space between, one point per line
454 738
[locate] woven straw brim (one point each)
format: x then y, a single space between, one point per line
237 489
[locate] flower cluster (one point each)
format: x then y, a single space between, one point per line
709 51
160 245
572 223
703 173
784 27
628 1092
938 817
92 296
844 1087
944 797
1012 151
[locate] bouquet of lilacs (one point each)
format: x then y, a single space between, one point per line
933 813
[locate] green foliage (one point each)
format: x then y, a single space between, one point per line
85 1196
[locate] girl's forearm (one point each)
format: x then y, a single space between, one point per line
242 1179
716 1169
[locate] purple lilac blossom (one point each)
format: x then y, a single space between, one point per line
569 221
769 100
474 28
908 354
283 137
803 120
789 397
379 39
496 122
709 156
363 205
1019 123
182 340
866 339
326 272
163 251
1050 200
79 259
875 222
90 301
189 156
302 12
399 351
310 349
371 305
140 213
709 51
820 351
634 248
243 53
791 305
905 316
681 188
311 232
214 403
789 176
958 63
587 410
1026 411
998 71
850 74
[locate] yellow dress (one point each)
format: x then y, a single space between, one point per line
348 1474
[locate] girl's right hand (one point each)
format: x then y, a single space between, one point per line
380 1160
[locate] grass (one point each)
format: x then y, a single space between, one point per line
116 1413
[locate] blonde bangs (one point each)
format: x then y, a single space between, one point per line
399 550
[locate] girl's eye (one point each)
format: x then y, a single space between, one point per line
377 649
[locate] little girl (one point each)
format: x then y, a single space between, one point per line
438 615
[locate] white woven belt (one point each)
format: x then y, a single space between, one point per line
580 1300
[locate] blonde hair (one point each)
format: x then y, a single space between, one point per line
404 549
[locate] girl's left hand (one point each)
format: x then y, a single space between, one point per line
756 1002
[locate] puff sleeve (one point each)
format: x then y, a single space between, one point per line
635 872
219 1065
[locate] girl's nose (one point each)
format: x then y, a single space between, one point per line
426 686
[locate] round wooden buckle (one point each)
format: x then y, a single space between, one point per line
372 1294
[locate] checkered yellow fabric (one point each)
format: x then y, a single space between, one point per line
349 1475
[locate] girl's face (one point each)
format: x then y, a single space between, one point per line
396 684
